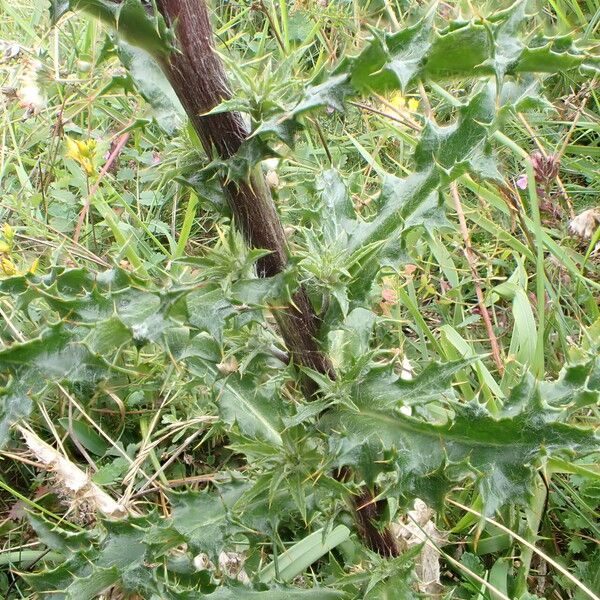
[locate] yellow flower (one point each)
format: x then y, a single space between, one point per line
82 152
72 148
8 266
413 105
87 149
34 266
8 232
4 247
87 165
397 101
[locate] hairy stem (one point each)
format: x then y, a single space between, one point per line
199 80
197 75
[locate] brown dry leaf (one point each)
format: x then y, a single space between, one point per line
16 511
228 366
419 528
231 564
75 483
585 224
409 269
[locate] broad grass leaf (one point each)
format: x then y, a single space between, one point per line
304 553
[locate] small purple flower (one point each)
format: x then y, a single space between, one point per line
545 168
522 181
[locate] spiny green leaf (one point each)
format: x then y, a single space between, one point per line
284 129
350 344
265 290
391 578
442 154
279 593
338 216
93 567
201 518
254 506
393 589
460 146
51 582
135 306
400 198
386 389
208 311
577 386
399 56
206 183
551 55
153 86
111 473
14 405
57 538
122 544
330 94
107 336
508 45
307 411
499 453
74 293
478 48
87 588
240 167
522 95
129 18
52 356
257 414
468 43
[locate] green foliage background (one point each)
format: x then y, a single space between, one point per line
146 353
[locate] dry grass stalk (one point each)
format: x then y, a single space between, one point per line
75 483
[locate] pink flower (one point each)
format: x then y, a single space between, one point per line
544 167
522 182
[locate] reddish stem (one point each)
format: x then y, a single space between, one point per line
107 165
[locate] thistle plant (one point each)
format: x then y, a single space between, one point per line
273 341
